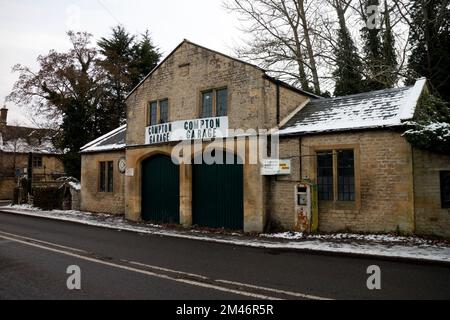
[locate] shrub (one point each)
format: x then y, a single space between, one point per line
48 198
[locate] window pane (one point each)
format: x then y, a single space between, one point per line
222 102
102 177
325 175
207 105
346 175
445 189
110 176
153 113
37 161
164 109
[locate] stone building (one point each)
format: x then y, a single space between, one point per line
350 149
16 142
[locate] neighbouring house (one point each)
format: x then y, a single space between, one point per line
348 153
17 140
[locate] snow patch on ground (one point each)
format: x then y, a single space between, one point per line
375 245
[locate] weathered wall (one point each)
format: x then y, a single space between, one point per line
289 102
383 173
10 161
431 219
91 198
280 196
7 186
182 78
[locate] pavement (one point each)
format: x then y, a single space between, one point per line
35 254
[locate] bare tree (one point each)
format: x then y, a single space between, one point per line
282 38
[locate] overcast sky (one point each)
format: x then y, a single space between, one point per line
29 28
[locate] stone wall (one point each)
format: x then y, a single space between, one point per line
431 218
384 183
92 199
7 186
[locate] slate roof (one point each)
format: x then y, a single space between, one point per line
384 108
114 140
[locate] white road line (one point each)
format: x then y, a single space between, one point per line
289 293
43 242
167 270
161 276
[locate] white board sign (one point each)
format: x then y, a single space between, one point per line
197 129
275 167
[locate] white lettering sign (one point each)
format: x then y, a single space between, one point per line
198 129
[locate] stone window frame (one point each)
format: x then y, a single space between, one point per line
335 203
106 177
214 103
158 111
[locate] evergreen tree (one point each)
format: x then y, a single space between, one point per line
430 40
348 68
127 61
144 59
373 54
390 64
380 60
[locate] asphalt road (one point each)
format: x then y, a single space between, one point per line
35 254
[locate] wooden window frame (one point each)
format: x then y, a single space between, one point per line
335 203
214 92
105 175
158 112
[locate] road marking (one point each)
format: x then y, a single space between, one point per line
167 270
162 276
289 293
156 275
43 242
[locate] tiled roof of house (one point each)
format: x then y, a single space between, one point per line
383 108
114 140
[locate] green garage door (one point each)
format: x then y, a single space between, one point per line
218 196
160 190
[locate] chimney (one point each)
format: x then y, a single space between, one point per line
3 117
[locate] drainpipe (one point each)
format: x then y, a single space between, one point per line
278 105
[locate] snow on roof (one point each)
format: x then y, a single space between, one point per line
383 108
22 145
114 140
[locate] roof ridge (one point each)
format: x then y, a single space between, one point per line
104 137
367 93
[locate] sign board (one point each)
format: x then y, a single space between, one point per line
197 129
129 172
275 167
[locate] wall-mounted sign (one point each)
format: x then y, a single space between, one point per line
198 129
122 165
275 167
